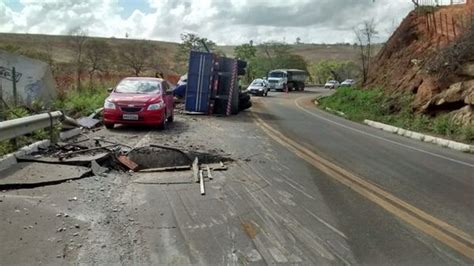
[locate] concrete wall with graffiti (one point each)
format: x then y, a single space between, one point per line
34 81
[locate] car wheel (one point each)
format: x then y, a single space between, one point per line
162 125
109 126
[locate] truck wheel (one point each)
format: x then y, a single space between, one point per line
302 86
245 105
297 88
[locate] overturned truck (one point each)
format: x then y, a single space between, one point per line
213 86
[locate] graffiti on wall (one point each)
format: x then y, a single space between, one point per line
32 90
7 73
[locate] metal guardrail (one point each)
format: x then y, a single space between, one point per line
17 127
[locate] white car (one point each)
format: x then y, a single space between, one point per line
259 87
348 83
183 80
331 84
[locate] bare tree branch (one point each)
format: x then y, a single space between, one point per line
78 38
365 36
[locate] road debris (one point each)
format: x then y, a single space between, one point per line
88 122
30 175
127 162
166 169
97 169
69 123
96 113
201 181
70 154
196 170
209 174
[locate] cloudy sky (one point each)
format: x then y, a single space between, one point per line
223 21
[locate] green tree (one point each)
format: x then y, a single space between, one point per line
247 52
191 42
333 69
273 55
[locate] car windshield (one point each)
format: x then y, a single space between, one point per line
257 83
276 74
138 86
332 81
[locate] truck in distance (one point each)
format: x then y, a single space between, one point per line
283 79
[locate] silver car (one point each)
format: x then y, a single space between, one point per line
348 83
331 84
259 87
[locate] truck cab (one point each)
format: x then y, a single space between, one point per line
277 80
291 79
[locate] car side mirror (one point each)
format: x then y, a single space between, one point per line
109 90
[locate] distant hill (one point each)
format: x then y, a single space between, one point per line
62 52
314 53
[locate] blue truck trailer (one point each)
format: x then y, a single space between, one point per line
212 86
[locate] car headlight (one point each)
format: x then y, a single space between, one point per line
109 105
260 89
156 106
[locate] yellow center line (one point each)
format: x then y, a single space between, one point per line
424 222
453 230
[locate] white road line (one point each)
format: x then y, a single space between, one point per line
143 141
381 138
334 229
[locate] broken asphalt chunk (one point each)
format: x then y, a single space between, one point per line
88 122
97 169
30 175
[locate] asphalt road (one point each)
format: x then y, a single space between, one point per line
420 179
304 187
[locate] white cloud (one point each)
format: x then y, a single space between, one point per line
223 21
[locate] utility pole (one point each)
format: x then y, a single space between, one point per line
15 100
2 105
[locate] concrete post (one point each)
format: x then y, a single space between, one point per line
2 105
15 98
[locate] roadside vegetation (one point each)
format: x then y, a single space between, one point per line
267 56
81 103
339 70
75 103
10 146
396 110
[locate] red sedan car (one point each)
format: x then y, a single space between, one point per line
139 100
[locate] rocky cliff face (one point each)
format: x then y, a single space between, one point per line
431 55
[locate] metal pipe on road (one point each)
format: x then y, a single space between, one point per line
201 181
17 127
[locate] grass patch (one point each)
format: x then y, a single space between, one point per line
81 103
395 110
74 103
